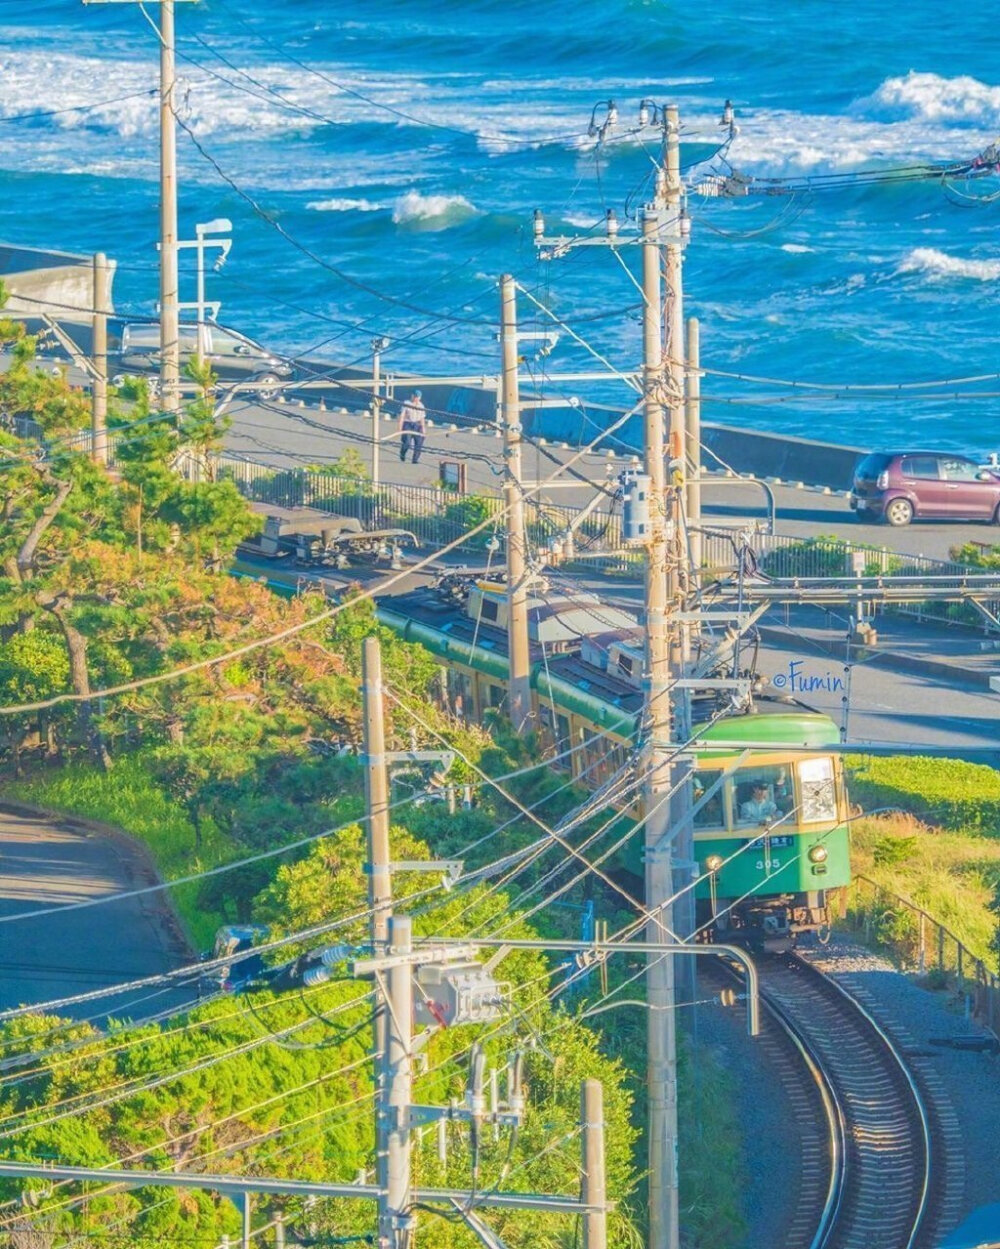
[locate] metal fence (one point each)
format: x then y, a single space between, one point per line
926 946
434 515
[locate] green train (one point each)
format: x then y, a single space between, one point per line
769 806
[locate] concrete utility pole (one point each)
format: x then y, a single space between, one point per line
662 668
379 863
592 1194
99 391
395 1218
519 678
170 372
693 432
169 317
661 1036
678 568
378 346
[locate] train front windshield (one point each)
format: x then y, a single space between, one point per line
802 791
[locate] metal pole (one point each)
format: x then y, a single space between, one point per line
379 877
99 393
661 1039
595 1222
200 256
279 1229
246 1221
169 330
693 430
395 1217
376 413
519 682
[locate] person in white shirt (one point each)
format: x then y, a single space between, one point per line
759 806
412 426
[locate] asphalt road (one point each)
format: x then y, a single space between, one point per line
290 435
53 863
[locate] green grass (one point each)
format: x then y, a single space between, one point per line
953 876
946 793
129 798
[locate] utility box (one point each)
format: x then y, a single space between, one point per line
455 993
635 509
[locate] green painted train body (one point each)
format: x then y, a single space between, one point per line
769 813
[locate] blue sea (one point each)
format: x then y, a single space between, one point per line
380 164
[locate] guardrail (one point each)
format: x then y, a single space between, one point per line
926 945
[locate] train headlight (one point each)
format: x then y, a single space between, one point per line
713 862
818 854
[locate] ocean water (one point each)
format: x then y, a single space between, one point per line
380 164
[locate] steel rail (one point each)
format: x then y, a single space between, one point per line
916 1095
836 1120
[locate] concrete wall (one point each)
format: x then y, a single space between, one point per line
778 455
59 283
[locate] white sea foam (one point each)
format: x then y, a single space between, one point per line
796 249
931 98
938 264
336 205
438 210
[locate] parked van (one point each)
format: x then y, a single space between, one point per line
231 355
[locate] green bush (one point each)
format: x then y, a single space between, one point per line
946 792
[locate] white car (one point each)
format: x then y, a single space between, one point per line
232 355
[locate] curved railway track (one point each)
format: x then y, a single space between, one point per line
869 1175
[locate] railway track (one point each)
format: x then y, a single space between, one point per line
870 1173
878 1182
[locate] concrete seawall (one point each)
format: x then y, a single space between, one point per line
779 455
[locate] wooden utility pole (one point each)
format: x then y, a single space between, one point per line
595 1222
519 677
99 391
379 869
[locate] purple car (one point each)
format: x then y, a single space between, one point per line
916 485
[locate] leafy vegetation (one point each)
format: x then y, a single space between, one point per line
947 793
109 580
953 876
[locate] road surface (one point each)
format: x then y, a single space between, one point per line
292 436
55 862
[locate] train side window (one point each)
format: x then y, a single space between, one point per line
712 814
461 694
819 794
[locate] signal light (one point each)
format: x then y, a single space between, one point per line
818 854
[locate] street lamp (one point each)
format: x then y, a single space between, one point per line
219 225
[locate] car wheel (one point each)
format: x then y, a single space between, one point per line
996 515
268 387
899 512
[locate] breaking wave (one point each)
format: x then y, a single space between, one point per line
938 264
440 211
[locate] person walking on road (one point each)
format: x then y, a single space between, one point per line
412 426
